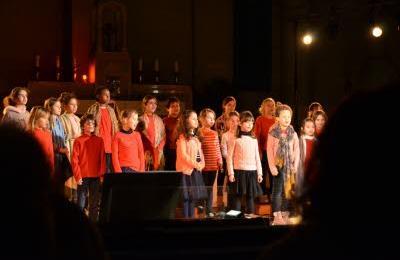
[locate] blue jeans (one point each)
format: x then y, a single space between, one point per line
279 202
90 187
127 170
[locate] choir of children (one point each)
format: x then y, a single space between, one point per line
104 141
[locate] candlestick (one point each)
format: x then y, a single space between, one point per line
156 65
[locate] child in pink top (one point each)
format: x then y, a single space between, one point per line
283 160
228 141
212 154
244 165
190 162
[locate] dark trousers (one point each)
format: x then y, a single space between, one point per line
127 170
279 202
170 159
109 168
209 178
267 182
249 203
188 208
90 187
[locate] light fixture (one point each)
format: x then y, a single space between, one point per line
376 31
308 39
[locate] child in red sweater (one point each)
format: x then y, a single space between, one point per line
127 146
212 154
89 165
261 130
171 131
39 125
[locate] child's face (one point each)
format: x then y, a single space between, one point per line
56 108
247 126
174 109
43 122
319 122
22 98
131 121
309 128
208 120
285 117
104 97
88 127
72 106
192 121
233 122
151 106
230 107
269 108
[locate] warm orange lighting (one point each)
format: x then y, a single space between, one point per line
84 78
377 31
92 73
308 39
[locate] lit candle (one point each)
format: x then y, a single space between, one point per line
84 78
156 65
58 62
176 66
37 60
141 64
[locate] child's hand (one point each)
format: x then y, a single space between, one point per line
259 178
79 182
231 178
293 170
274 171
63 150
220 166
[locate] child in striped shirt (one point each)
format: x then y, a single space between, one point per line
212 154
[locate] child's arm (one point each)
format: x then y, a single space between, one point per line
164 138
219 155
257 133
103 166
141 152
201 164
258 162
224 146
115 152
271 155
296 153
75 162
229 161
181 152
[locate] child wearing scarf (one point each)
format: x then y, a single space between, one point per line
283 159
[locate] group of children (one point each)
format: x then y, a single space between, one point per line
235 147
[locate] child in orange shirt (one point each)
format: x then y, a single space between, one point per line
127 147
190 162
106 121
212 155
